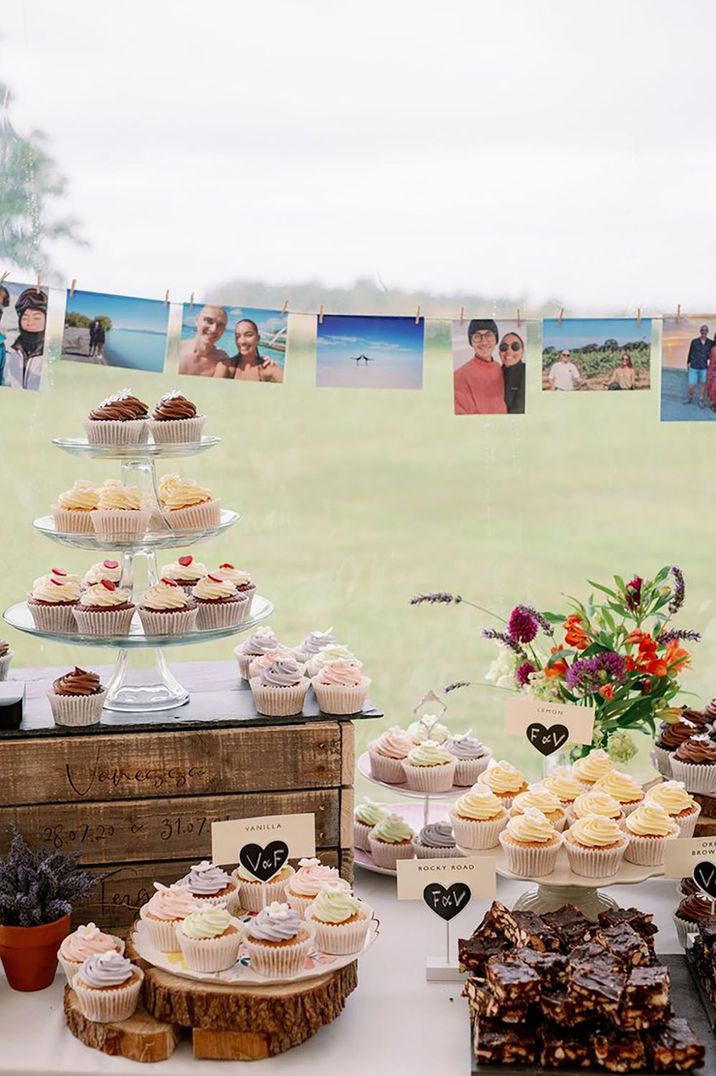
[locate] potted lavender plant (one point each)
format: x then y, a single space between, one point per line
37 891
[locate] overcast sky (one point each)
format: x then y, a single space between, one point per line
544 148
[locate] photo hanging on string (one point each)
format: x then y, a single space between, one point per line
489 366
688 370
356 352
235 343
23 319
115 330
596 354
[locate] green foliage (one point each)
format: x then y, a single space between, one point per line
594 360
81 321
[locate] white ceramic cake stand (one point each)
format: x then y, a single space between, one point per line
428 798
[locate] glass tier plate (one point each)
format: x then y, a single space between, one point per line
168 539
363 767
20 617
80 446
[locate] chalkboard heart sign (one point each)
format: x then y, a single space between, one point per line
263 863
447 903
705 877
547 740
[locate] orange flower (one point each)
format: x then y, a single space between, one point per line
574 634
556 669
607 692
676 657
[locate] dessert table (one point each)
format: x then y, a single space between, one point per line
395 1021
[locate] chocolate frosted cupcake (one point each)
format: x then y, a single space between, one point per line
281 689
694 763
166 609
212 885
121 419
174 420
6 656
73 509
671 735
473 758
436 841
104 609
52 603
692 910
77 698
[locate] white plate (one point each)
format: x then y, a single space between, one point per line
364 768
562 875
413 814
317 963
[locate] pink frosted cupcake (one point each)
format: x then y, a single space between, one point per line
505 780
545 801
478 818
188 506
255 894
595 801
473 758
678 804
367 815
262 641
74 509
595 846
82 943
278 941
104 609
387 754
163 911
212 885
166 609
122 515
186 571
310 878
593 766
648 828
341 921
52 603
107 987
429 767
531 844
623 788
209 939
390 840
280 691
341 688
219 604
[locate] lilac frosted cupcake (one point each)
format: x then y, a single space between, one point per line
591 767
186 571
104 609
219 604
648 828
255 894
531 844
311 877
82 943
52 603
623 788
505 780
678 803
387 754
367 815
340 920
74 509
429 767
166 609
341 687
209 939
281 689
314 642
390 840
436 841
212 885
478 818
261 642
595 846
278 941
473 758
163 911
545 801
258 665
107 987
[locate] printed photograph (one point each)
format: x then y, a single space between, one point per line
688 370
241 343
596 354
23 317
115 330
488 366
355 352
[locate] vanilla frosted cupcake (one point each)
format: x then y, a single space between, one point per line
545 801
564 784
367 815
623 788
327 655
187 505
478 818
595 846
82 943
391 839
340 920
210 939
74 509
107 987
52 603
278 941
473 758
59 575
428 728
104 569
596 764
648 828
387 753
340 687
505 780
185 571
104 609
255 894
436 840
531 844
239 577
312 645
311 877
595 801
122 515
261 642
166 609
163 911
219 604
429 767
678 803
281 689
212 885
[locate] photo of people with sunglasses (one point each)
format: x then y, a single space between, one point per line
488 367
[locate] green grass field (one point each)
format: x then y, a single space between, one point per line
352 501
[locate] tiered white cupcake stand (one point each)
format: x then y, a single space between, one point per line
134 687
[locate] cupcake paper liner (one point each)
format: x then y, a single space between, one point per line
253 896
468 770
134 431
118 525
386 855
335 699
210 954
283 961
7 659
389 770
279 701
661 759
176 431
162 932
685 929
198 517
76 710
646 851
360 835
299 904
69 521
71 967
340 939
53 617
697 777
627 808
429 778
423 852
595 862
532 861
476 835
177 622
687 824
221 614
110 1006
104 621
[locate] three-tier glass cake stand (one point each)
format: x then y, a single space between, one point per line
137 685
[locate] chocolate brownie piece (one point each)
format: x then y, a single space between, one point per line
593 951
562 1047
557 1006
551 967
648 986
674 1047
528 929
570 925
483 1003
641 922
707 934
503 1044
474 953
619 1051
596 985
497 922
623 941
513 983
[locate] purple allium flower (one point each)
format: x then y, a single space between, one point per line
454 686
523 625
542 620
503 637
589 674
438 598
681 635
679 592
523 673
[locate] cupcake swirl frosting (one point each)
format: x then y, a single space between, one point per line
245 875
370 813
206 923
103 569
185 573
392 830
106 969
84 942
262 640
437 835
672 796
593 766
671 736
211 588
77 682
59 575
393 743
696 906
429 753
650 820
595 831
479 804
620 785
564 784
315 641
164 596
114 496
465 747
335 906
205 879
171 902
81 497
334 653
341 673
284 672
276 922
597 802
102 597
503 778
531 827
173 405
537 796
183 493
419 730
699 749
47 589
120 407
312 876
238 576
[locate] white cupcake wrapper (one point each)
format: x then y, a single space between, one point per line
687 824
475 835
279 701
299 904
360 835
176 622
7 659
58 618
340 939
253 896
385 769
685 929
162 932
627 808
68 521
697 778
335 699
530 862
210 954
197 517
423 852
110 1006
386 855
468 770
131 432
176 431
221 614
76 710
282 961
104 621
117 525
595 862
646 851
429 778
71 967
661 759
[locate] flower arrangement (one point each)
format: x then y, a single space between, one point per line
38 886
616 652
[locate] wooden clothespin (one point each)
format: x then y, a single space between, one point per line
638 316
678 311
320 314
73 285
284 308
39 280
4 277
519 319
417 316
191 301
166 297
561 316
462 315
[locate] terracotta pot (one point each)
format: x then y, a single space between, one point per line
29 954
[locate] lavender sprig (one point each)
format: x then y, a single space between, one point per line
679 634
456 685
679 592
503 637
440 597
543 622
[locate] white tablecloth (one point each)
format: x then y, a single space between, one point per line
394 1023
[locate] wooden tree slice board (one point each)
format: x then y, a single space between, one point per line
140 1038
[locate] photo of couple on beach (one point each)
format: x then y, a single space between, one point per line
238 343
23 318
488 367
688 370
115 330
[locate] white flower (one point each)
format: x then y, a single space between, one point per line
502 671
542 688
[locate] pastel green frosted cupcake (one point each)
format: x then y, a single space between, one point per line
340 920
367 815
209 939
391 839
429 767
